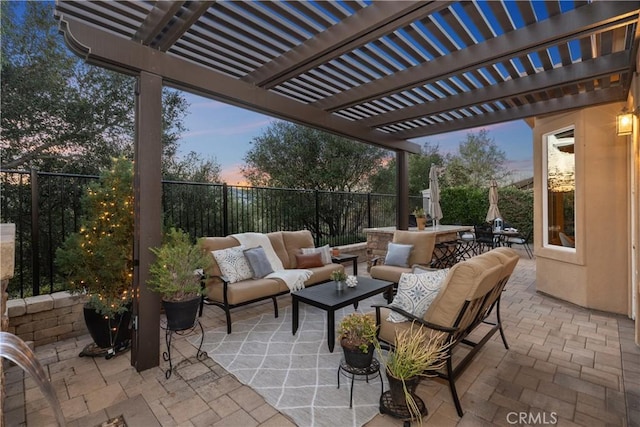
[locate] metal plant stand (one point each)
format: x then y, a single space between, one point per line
400 411
349 371
169 335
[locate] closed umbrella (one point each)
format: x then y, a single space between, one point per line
493 212
436 211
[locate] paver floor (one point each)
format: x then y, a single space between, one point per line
566 366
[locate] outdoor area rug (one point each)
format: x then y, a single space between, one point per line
295 374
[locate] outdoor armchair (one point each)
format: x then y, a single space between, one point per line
469 294
521 240
421 254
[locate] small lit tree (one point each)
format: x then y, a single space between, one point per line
98 260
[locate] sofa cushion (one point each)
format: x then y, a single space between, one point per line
210 244
398 254
233 264
243 291
309 260
416 292
277 243
293 242
325 251
258 261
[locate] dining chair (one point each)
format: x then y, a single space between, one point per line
521 240
485 238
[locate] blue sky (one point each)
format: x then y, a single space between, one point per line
225 132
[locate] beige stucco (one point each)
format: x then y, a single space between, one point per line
597 273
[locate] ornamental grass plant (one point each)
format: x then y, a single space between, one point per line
418 352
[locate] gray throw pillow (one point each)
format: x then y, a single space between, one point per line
398 254
258 262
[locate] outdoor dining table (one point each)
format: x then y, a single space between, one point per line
504 234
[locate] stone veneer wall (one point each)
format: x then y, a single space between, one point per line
44 319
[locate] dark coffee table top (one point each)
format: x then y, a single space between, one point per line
326 296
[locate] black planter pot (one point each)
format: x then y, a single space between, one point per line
182 314
356 358
110 332
397 390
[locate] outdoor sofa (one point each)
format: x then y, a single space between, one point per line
288 247
467 296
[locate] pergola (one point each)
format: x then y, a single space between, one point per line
382 73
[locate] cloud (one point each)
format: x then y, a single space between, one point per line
231 175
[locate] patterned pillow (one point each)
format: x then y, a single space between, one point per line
416 292
324 251
233 264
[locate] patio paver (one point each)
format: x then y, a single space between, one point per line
565 363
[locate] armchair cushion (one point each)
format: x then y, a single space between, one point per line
398 254
416 292
233 264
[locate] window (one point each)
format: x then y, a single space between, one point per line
560 162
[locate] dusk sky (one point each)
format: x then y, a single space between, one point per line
225 132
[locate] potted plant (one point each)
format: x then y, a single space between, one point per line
176 275
421 218
98 260
357 334
340 277
417 352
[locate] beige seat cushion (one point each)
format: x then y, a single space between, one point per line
243 291
320 274
390 273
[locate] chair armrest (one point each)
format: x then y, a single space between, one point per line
413 318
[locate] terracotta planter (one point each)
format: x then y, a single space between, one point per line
421 222
356 358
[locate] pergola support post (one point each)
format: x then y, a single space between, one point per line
402 181
145 352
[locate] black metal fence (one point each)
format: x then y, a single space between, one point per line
46 208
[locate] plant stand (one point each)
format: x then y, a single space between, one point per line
169 335
349 371
400 411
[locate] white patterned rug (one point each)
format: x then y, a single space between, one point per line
295 374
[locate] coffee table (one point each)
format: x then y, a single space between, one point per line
326 297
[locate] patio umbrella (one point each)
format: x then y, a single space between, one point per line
434 187
493 212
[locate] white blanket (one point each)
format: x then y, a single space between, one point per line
294 278
253 240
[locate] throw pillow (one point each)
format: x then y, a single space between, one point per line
233 264
324 251
398 254
416 292
309 260
258 262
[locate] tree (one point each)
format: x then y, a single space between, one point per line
293 156
384 180
59 113
98 259
479 161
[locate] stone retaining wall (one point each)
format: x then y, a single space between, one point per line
44 319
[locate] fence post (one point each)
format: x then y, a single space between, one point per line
317 237
225 210
35 233
368 210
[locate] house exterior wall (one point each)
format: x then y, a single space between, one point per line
597 274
